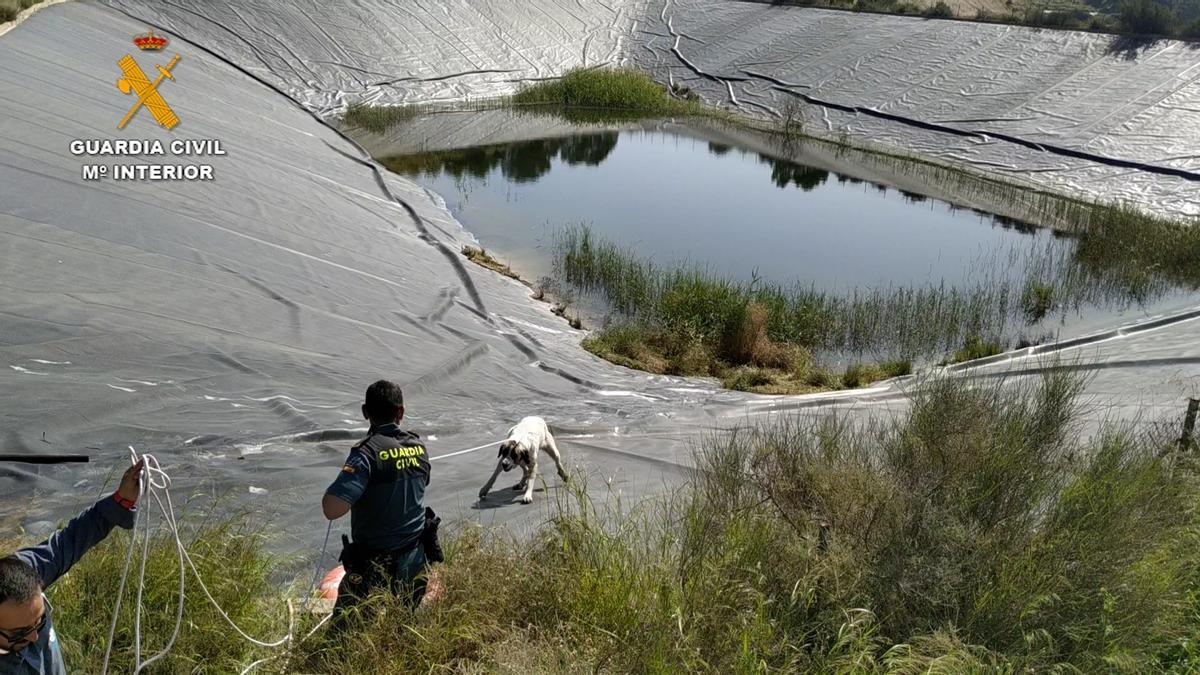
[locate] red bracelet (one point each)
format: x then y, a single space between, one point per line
125 503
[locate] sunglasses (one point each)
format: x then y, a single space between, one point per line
19 639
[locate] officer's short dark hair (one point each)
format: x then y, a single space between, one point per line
18 581
384 400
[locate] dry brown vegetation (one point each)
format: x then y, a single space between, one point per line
484 259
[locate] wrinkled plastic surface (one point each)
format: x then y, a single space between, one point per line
232 326
328 54
1076 112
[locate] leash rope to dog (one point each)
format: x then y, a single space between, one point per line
155 483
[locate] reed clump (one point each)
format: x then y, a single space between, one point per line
771 337
620 90
379 118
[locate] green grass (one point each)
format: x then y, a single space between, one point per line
230 557
1036 301
976 532
696 306
9 9
379 118
664 317
975 347
581 96
939 10
619 90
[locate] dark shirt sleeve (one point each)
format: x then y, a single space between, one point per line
352 481
55 556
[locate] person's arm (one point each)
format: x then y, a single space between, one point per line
55 556
347 487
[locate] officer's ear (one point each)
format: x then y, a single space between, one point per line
399 414
364 412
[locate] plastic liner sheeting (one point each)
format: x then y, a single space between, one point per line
326 54
231 326
1092 115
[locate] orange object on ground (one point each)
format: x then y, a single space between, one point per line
328 588
329 584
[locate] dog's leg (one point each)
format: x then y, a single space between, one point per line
520 486
530 479
491 481
552 450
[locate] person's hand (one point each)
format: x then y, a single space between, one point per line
129 482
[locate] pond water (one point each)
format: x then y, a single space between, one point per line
743 215
737 213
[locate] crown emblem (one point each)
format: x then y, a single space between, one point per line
148 41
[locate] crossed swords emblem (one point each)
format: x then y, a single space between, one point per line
135 81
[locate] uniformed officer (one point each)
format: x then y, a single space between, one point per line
28 643
382 485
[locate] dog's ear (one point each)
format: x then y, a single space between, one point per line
505 449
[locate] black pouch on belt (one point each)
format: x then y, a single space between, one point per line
429 537
355 557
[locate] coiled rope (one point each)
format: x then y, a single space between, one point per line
155 483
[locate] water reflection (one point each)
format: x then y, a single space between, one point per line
523 162
528 161
894 254
678 197
804 177
718 149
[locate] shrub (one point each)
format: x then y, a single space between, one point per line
746 378
858 375
974 531
1104 23
819 378
974 516
975 347
746 341
619 89
1191 30
939 10
1146 17
633 345
791 122
897 368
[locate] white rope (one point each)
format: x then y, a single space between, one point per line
112 629
317 571
179 605
154 482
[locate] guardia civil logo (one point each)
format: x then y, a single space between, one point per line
136 83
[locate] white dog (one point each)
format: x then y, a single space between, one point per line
521 449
